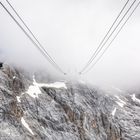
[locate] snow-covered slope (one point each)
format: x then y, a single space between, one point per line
31 110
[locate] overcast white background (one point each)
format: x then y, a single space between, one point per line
71 30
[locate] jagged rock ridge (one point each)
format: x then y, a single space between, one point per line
61 111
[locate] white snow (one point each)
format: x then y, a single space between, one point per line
51 85
34 81
120 100
18 99
114 111
14 77
34 90
135 99
121 103
26 125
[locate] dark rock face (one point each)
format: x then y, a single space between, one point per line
1 65
78 112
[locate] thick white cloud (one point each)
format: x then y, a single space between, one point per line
71 31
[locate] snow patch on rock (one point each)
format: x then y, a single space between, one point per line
114 111
14 77
34 91
53 85
135 99
121 103
50 85
26 125
18 99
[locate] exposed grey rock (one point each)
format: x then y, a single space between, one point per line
79 112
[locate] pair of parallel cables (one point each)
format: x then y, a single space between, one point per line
104 41
30 35
94 58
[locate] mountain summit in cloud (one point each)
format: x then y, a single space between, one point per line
60 110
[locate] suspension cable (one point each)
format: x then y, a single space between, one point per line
113 39
39 47
102 44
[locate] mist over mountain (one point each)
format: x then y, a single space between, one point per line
69 70
71 31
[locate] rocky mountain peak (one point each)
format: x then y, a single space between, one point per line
30 110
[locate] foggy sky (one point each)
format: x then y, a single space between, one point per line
71 30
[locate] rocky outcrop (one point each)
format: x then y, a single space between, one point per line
75 112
